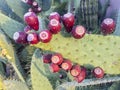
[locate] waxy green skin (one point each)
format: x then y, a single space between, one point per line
95 50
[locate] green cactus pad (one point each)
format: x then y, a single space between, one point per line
14 85
117 29
18 7
115 86
10 54
2 87
102 9
6 45
2 71
4 7
9 26
40 73
96 50
88 83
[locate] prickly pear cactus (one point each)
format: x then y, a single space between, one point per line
39 73
95 50
91 50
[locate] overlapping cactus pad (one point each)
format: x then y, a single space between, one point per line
12 85
95 50
40 73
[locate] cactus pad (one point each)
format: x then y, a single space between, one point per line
2 87
96 50
10 54
88 82
6 45
14 85
117 29
39 73
9 26
18 7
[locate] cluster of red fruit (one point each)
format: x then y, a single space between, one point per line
79 73
34 6
54 27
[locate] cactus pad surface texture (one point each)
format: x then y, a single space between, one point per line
96 50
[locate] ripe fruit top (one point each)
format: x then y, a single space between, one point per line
78 31
98 72
54 15
20 37
54 26
45 36
107 26
57 58
81 76
66 65
32 38
75 71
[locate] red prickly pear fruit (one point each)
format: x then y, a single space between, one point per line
54 26
20 37
98 72
54 68
75 71
57 58
55 15
28 1
32 38
66 65
32 20
47 58
108 26
81 76
27 29
37 10
45 36
35 4
78 32
68 21
68 29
